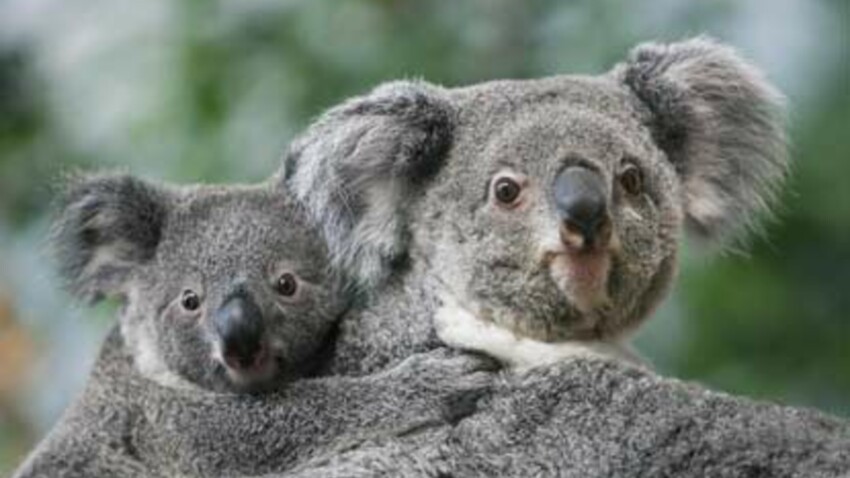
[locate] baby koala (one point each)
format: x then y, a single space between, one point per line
225 292
224 288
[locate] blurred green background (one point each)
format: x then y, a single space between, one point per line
213 91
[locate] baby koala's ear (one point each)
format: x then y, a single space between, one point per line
106 226
358 166
720 124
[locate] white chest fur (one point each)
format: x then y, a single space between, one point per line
459 328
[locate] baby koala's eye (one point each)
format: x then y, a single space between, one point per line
286 285
506 190
631 179
190 300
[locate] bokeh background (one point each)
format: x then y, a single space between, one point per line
212 90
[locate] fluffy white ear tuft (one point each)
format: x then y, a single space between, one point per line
358 167
720 123
107 226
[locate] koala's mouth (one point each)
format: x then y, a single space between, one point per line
261 369
582 277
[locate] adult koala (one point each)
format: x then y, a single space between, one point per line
226 293
550 210
553 207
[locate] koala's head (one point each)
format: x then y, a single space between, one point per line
223 287
553 207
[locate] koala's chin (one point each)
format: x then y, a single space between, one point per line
458 327
577 282
583 277
264 373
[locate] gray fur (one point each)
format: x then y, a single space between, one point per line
596 418
121 217
722 126
123 424
356 166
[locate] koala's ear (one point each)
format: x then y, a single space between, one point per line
359 165
720 123
106 226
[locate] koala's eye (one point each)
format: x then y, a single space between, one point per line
506 190
190 300
286 285
631 179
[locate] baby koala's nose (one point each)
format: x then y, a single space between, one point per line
240 328
581 201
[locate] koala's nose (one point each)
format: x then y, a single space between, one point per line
582 204
240 327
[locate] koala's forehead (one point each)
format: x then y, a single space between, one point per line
552 117
501 99
216 226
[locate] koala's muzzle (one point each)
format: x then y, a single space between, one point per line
581 201
239 324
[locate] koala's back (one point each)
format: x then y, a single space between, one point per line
129 426
94 433
126 425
